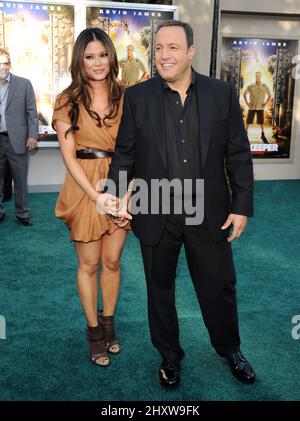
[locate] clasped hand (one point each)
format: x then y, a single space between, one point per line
114 207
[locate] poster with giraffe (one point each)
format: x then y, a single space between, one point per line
131 28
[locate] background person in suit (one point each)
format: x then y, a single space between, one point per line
183 125
18 134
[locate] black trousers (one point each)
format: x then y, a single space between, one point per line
7 189
212 271
18 164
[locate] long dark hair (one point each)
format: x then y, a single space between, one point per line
78 91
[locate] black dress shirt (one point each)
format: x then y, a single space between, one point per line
182 133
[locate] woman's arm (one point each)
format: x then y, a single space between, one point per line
68 151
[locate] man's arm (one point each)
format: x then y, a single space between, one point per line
124 156
121 81
268 93
240 171
143 70
122 160
32 117
246 98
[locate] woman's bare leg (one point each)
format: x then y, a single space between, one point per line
110 278
112 246
89 255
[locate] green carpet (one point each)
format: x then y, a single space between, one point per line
45 355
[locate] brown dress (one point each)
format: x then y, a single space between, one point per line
74 206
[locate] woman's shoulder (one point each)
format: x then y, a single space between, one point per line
62 107
62 100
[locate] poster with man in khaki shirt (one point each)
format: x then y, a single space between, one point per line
133 70
256 97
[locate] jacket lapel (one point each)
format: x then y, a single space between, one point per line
155 112
205 109
12 85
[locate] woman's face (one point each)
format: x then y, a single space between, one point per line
96 61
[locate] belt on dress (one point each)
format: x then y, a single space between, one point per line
93 153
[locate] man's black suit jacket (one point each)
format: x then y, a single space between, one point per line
141 152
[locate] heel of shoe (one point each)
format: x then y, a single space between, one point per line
108 324
97 346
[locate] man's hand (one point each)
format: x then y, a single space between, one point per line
239 223
112 206
124 209
120 222
31 143
107 203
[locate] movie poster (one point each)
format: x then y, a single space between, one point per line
261 72
132 30
39 38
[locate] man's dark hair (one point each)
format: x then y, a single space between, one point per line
189 33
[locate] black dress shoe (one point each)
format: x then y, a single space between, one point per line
25 221
169 373
2 217
240 367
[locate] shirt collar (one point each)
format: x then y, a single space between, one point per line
166 87
193 82
7 79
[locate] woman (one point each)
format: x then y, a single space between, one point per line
86 117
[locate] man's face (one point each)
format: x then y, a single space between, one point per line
4 66
173 58
129 52
258 77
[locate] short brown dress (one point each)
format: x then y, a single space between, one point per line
74 206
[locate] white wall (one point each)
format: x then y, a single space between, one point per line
46 170
199 14
265 6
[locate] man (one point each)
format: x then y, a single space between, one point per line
133 70
18 134
259 95
183 125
